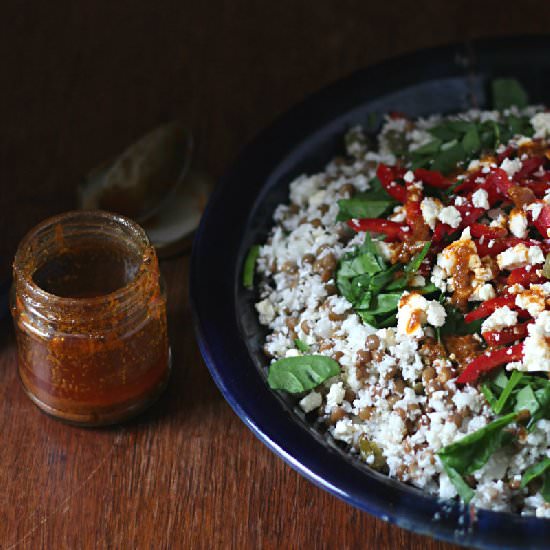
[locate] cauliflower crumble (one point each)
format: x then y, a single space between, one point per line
398 399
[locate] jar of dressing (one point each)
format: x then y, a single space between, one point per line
90 318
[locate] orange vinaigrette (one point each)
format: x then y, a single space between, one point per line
90 318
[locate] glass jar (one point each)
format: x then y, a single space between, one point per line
90 318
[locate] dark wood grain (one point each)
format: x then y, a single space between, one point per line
80 80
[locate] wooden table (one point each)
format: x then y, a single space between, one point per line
79 82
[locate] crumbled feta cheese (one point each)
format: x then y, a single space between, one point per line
480 199
448 258
451 216
460 201
536 351
500 220
501 318
335 395
313 400
482 293
517 223
266 310
344 430
411 314
431 208
511 166
541 125
384 249
520 256
399 214
535 208
436 314
409 176
532 300
438 278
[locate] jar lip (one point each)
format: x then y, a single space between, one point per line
82 215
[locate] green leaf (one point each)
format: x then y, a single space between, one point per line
474 450
543 398
489 395
545 489
376 191
535 471
526 400
429 148
465 492
366 263
455 324
508 92
302 373
362 208
444 132
500 380
415 263
515 378
301 345
385 303
448 159
470 142
250 266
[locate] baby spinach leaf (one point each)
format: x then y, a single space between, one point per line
535 471
444 132
372 203
489 395
543 398
470 142
250 266
473 451
358 208
301 345
385 303
508 92
414 265
455 325
448 158
514 380
465 492
301 373
430 148
526 400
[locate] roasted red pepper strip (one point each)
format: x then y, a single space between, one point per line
499 180
493 247
539 188
469 214
529 165
478 230
441 229
542 223
488 307
392 230
469 183
489 361
387 176
505 154
433 178
506 335
525 276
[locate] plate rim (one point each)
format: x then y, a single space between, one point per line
265 434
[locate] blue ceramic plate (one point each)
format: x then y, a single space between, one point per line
239 214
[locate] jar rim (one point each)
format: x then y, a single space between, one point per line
24 250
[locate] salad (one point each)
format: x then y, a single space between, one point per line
406 292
